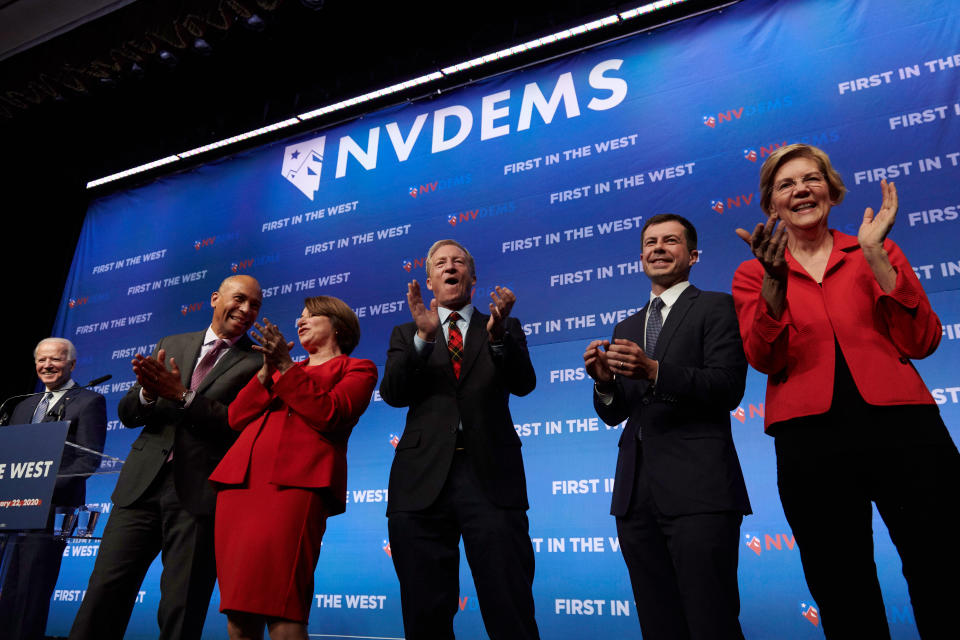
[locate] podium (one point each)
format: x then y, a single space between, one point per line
29 460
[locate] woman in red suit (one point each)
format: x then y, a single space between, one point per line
287 472
834 321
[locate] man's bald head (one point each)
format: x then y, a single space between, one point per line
236 305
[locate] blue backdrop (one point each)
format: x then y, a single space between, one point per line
546 174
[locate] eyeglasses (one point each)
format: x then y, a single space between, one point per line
809 181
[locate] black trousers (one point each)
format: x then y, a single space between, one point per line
32 564
683 569
133 537
426 554
830 468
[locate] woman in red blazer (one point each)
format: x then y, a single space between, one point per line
287 472
834 322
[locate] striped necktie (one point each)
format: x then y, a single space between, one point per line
206 363
41 411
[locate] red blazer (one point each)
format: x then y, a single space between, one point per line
878 332
319 407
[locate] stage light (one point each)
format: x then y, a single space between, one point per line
168 59
130 172
256 23
532 44
202 47
243 136
401 86
648 8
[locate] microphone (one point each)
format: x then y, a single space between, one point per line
4 416
97 381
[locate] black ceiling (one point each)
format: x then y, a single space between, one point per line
99 99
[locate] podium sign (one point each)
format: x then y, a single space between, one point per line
29 460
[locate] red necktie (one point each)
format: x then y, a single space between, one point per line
455 343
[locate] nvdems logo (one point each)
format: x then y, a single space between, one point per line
770 542
810 612
80 300
191 307
732 115
439 185
741 200
249 263
480 212
409 265
302 163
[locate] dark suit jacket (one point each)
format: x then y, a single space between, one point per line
438 402
198 435
318 408
688 452
87 413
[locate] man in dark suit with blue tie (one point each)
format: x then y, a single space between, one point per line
163 502
458 469
674 371
34 563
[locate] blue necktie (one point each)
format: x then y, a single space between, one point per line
41 411
654 324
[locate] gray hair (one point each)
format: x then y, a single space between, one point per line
71 350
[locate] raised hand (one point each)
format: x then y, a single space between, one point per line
156 380
768 242
426 318
769 246
273 346
503 301
875 227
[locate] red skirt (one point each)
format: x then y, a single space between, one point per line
268 538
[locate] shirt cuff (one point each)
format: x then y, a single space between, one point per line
606 399
144 401
421 345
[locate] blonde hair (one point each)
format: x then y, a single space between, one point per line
784 154
442 243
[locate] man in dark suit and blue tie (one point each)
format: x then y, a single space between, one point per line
458 469
34 562
674 371
163 502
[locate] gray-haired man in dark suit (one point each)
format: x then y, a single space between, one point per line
34 561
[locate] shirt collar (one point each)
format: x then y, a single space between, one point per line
670 295
69 384
466 313
210 337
